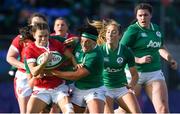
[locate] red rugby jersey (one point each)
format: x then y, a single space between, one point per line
33 52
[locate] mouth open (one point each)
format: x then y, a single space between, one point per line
143 22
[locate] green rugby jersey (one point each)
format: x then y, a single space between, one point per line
114 65
93 62
143 42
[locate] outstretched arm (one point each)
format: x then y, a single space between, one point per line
74 75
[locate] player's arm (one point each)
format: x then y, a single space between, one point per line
38 69
70 56
134 78
132 68
11 58
168 57
143 59
74 75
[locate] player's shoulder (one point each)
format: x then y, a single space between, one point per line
133 28
17 37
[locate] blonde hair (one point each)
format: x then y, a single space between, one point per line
115 23
101 28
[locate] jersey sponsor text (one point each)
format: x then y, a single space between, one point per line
108 69
154 44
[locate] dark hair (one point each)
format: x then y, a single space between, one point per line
143 6
62 18
88 29
36 15
25 33
40 26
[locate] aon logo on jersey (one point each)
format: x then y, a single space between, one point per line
154 44
112 69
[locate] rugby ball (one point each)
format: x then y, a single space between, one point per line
55 61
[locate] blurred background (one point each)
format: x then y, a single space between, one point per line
14 13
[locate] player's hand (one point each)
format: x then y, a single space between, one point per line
47 73
71 40
129 87
145 59
46 57
40 75
173 64
78 66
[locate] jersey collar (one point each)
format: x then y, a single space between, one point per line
151 27
119 48
44 47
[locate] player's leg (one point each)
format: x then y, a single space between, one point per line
96 106
129 103
60 96
35 105
109 103
157 92
95 100
22 90
156 89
